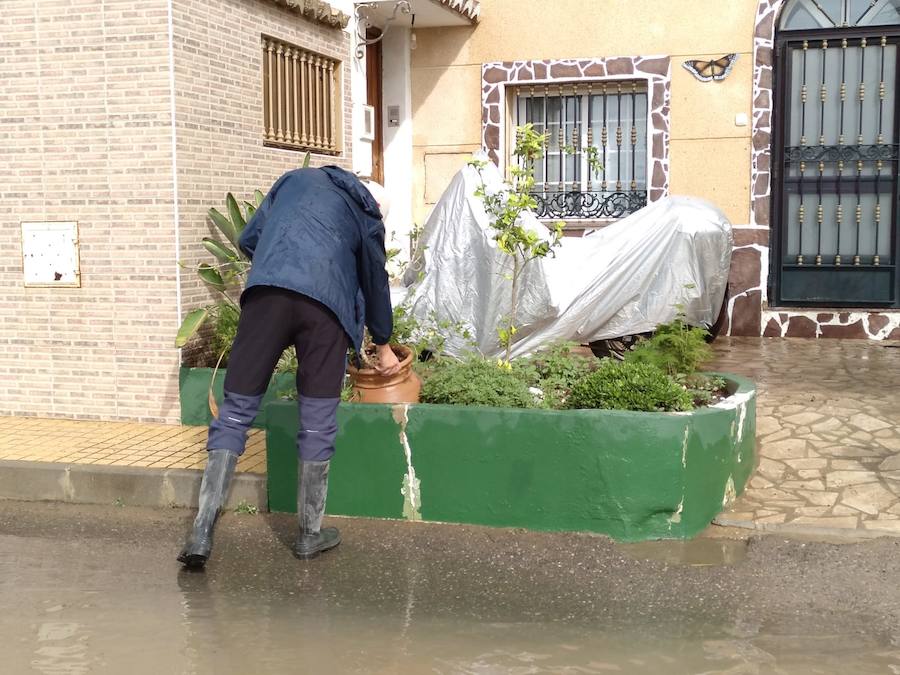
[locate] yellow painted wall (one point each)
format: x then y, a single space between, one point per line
709 154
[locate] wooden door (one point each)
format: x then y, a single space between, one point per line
375 98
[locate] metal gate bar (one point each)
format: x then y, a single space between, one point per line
861 176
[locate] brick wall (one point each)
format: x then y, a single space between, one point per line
85 136
218 74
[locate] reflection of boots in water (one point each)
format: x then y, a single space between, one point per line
217 476
312 489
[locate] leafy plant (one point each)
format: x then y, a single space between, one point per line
247 509
393 262
226 317
475 381
287 362
554 371
704 389
630 386
676 348
414 235
348 395
425 337
593 157
681 350
505 208
226 277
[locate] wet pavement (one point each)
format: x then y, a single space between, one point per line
828 430
97 590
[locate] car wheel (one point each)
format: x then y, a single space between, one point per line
617 347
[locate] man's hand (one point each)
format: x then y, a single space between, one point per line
387 362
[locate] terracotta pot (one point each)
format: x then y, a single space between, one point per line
370 387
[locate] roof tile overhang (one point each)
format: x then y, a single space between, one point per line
468 8
318 11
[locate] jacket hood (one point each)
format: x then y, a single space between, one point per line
350 184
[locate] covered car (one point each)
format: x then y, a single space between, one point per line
620 280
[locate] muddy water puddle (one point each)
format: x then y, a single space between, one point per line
697 553
104 595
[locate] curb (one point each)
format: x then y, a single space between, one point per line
806 530
124 485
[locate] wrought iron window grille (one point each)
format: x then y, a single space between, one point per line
594 166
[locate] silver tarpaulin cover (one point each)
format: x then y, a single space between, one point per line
620 280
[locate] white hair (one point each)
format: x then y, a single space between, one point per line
380 195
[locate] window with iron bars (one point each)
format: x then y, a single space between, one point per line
595 160
301 98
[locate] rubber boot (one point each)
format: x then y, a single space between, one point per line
217 476
312 489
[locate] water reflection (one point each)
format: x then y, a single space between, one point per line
434 605
61 648
697 552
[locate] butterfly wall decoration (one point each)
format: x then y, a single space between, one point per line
717 69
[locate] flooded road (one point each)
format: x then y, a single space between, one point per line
97 590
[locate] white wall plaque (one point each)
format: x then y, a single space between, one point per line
368 133
50 254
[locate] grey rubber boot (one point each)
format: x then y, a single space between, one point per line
312 489
217 477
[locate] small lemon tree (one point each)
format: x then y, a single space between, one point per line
505 207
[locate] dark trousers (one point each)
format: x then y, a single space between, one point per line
272 319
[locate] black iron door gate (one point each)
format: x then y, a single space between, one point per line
835 184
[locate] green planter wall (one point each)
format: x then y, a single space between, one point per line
193 385
633 476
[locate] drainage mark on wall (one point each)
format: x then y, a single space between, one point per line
411 491
675 518
739 403
730 493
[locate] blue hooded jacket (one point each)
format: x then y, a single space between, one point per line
319 232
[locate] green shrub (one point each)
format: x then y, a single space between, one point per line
704 389
630 386
675 348
227 316
287 362
554 371
474 381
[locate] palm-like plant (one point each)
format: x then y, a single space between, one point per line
227 276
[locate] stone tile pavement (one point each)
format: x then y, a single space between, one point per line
157 446
828 434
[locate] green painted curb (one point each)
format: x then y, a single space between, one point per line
633 476
193 389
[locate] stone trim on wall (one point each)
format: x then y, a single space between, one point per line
763 100
656 70
749 280
832 324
